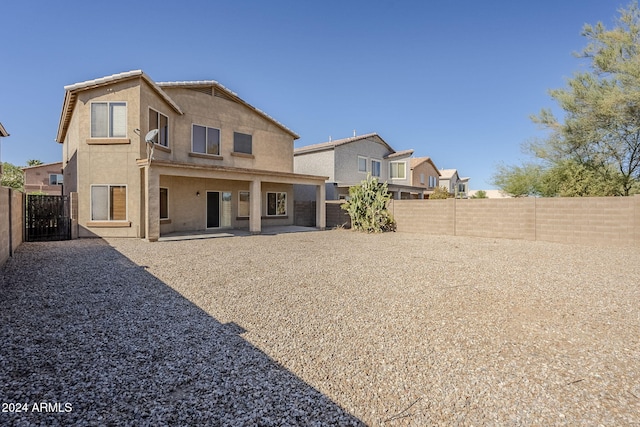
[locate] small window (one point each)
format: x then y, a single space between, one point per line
55 179
433 181
243 204
108 202
276 204
108 120
161 122
397 170
164 203
242 143
205 140
422 178
362 164
375 168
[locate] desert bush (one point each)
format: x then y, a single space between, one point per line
367 207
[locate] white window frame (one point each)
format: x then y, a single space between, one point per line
248 193
422 178
126 204
206 133
109 119
362 160
379 162
160 203
59 179
158 113
404 170
285 203
433 181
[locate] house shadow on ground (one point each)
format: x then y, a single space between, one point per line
102 342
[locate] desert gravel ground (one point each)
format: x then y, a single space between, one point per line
322 328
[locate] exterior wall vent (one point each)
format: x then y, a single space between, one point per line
208 90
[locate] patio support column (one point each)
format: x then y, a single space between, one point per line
321 209
152 204
255 211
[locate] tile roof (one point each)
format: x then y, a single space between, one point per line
415 161
329 145
3 131
403 153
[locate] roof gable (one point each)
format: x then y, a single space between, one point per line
330 145
72 91
212 87
417 161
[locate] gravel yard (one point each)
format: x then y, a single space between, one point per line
321 328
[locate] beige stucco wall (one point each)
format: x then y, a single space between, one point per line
108 163
600 221
187 210
272 146
428 170
10 238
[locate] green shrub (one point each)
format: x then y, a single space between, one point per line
440 193
367 207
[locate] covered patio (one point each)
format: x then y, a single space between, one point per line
188 191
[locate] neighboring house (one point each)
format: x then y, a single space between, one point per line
348 161
3 133
214 162
451 181
424 174
46 178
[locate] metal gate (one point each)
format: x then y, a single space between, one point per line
47 218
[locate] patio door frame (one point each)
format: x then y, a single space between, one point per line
222 220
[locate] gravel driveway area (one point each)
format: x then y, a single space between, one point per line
320 328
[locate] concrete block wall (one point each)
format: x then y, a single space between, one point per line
422 216
11 230
596 221
489 218
336 216
601 221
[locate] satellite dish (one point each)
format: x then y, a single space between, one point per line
151 135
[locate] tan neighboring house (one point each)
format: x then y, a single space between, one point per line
3 134
453 183
349 161
424 174
213 160
46 178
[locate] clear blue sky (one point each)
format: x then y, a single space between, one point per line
456 81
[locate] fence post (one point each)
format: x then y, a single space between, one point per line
10 192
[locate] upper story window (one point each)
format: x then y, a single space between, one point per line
422 178
205 140
397 170
375 168
161 122
242 143
362 164
55 179
108 120
433 181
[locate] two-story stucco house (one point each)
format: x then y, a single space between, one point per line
213 161
348 161
46 179
424 174
453 183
